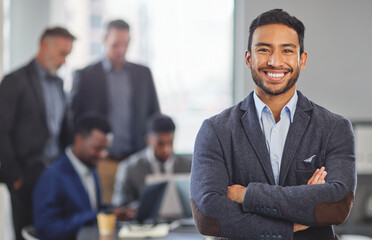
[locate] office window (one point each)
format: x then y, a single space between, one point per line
188 44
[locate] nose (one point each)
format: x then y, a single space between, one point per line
102 154
275 60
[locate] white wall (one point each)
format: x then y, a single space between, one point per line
338 38
28 19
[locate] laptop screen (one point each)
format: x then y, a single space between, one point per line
150 201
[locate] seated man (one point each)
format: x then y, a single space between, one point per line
67 195
157 158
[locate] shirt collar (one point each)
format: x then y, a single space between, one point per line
290 107
40 70
79 167
107 65
155 162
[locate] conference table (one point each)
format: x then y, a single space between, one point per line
91 233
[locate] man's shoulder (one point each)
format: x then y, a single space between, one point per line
21 73
59 166
95 66
137 66
228 117
137 159
183 163
182 159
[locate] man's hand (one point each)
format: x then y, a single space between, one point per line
317 178
236 193
17 184
124 213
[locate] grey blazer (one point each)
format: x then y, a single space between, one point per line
230 149
131 174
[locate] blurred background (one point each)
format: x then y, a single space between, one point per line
195 49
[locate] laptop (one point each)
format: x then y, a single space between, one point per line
150 201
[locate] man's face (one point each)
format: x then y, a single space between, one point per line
275 60
162 143
92 148
56 51
117 41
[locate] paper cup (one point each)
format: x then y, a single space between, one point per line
106 223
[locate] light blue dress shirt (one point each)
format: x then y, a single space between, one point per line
55 104
120 108
275 132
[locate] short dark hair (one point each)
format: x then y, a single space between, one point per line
117 24
90 121
278 16
160 123
57 32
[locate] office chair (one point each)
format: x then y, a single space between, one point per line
29 233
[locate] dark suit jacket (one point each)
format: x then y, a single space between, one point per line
61 203
23 128
230 149
90 94
131 175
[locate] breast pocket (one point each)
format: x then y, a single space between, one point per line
306 168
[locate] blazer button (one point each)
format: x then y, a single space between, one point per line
274 211
262 237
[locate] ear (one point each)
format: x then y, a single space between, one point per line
248 59
303 60
78 139
148 139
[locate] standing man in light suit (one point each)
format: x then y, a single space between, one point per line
33 121
276 165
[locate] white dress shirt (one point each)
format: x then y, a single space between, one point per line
156 164
86 177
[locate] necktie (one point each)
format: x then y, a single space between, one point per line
162 168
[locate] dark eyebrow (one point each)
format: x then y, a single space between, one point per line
289 45
259 44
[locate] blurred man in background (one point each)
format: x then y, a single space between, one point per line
123 93
32 114
67 195
157 158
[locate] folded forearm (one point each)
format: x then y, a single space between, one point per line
322 204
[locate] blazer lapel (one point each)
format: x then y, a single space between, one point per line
98 189
295 133
255 135
36 87
77 183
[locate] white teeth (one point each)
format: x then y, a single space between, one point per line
277 75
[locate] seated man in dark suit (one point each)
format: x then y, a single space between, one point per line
67 195
157 158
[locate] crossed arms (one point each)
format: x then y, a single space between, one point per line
266 209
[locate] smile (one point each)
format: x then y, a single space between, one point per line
275 76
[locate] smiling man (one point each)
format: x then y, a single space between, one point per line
276 165
68 194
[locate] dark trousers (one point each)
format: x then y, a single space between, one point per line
21 200
22 210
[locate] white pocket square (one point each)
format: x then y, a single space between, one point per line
309 159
